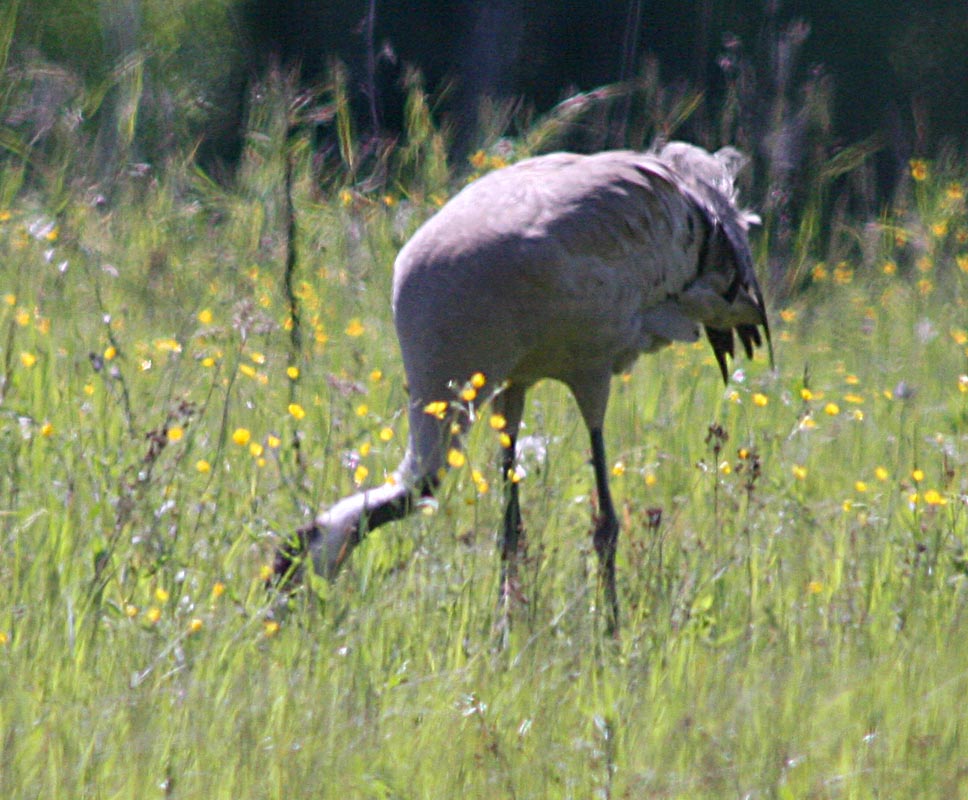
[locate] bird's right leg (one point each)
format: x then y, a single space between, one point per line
605 537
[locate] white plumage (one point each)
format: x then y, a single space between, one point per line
562 266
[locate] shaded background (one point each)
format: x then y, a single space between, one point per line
897 68
897 71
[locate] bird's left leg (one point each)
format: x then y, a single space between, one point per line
510 405
605 537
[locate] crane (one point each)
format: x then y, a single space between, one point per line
560 266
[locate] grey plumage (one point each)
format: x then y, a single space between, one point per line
562 266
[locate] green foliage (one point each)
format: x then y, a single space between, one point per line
792 564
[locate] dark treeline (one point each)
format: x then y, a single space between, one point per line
775 76
897 69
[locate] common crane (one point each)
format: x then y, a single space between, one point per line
561 266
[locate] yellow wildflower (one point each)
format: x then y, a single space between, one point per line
881 474
760 399
919 169
843 274
28 359
241 436
176 433
205 316
297 411
832 409
934 498
168 345
478 380
292 373
456 458
917 475
438 409
386 434
355 328
480 483
799 472
203 466
359 474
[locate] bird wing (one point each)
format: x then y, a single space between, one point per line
675 236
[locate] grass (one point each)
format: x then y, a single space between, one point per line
792 564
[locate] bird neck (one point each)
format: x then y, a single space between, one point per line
344 524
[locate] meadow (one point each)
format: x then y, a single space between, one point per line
793 570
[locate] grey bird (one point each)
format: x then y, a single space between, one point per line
561 266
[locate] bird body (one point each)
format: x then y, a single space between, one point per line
562 266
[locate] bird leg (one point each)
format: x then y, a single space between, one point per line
512 522
605 537
509 403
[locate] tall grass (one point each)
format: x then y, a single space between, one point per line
792 564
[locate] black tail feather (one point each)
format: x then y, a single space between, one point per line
722 342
